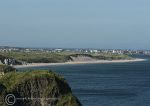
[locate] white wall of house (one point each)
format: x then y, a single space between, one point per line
1 62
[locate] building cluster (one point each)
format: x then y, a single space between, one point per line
58 50
114 51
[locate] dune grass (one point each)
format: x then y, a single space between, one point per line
44 57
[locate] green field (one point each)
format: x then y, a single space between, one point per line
44 57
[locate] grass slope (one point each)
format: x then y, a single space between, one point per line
56 85
44 57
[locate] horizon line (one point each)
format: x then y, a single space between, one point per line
72 48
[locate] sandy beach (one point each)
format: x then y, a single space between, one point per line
78 62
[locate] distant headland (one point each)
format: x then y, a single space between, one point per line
31 57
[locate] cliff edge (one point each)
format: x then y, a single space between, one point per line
35 88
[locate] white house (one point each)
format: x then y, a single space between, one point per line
1 62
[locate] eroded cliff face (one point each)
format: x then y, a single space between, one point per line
81 58
36 88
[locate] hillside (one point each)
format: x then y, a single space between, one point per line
43 57
89 57
38 88
5 68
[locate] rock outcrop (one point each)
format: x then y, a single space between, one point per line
9 61
36 88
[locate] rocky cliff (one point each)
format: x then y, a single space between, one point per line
9 61
35 88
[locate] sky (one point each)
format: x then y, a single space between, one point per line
105 24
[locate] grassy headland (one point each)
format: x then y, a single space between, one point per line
44 57
47 87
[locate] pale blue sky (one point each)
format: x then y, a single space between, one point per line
110 24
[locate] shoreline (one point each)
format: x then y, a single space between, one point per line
30 65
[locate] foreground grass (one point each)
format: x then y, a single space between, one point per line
5 68
46 84
11 79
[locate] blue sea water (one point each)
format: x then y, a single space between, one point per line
115 84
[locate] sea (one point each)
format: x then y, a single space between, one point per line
112 84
